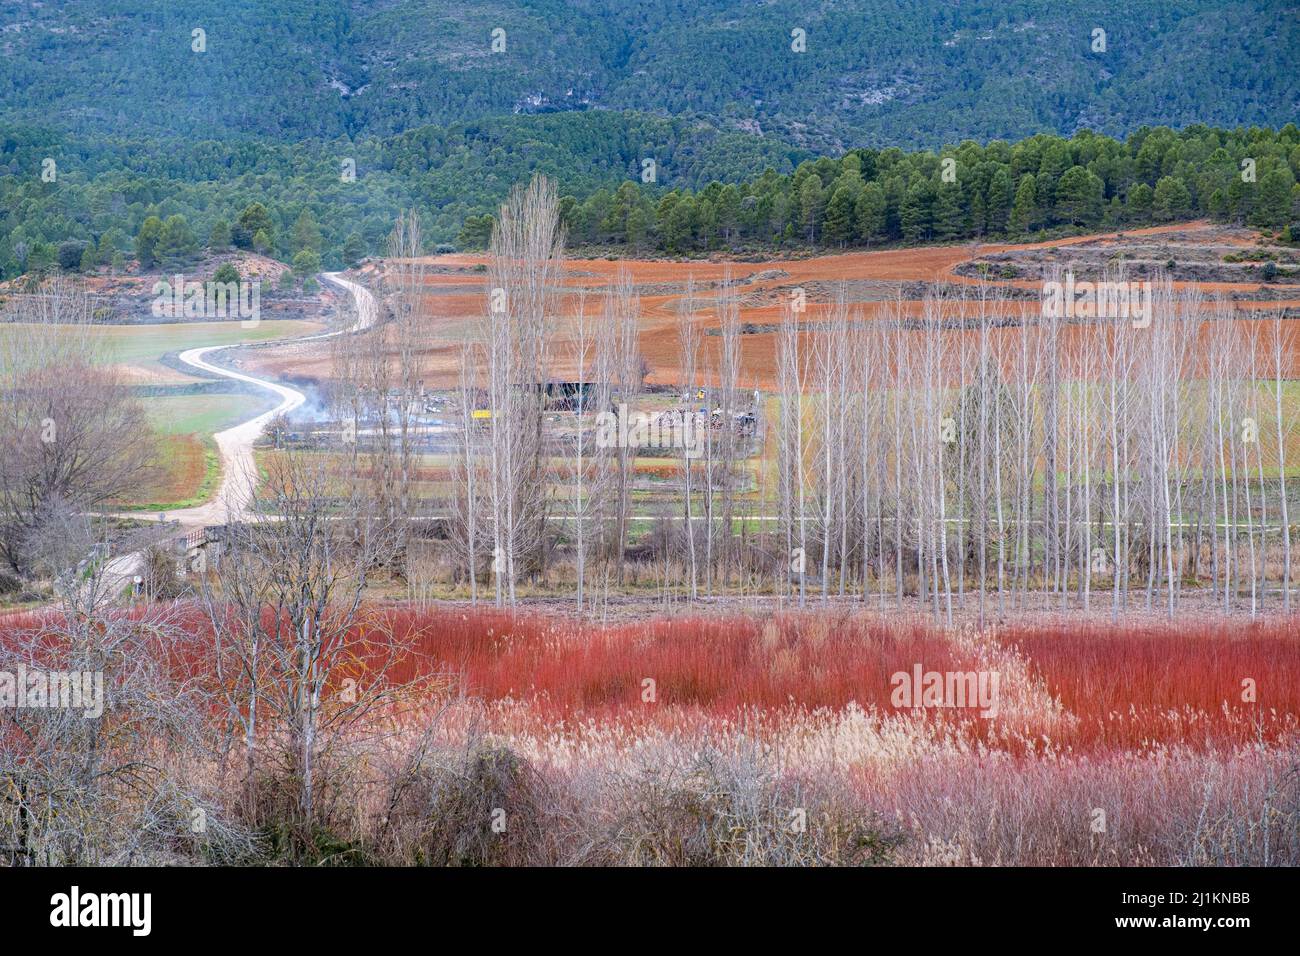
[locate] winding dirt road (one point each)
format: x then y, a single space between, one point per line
235 445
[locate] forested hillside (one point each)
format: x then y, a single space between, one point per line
153 129
113 200
57 187
911 73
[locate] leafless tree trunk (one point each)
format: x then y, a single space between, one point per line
688 341
71 435
1282 344
728 380
523 275
299 664
792 371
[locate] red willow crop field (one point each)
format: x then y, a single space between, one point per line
1111 745
1095 688
700 739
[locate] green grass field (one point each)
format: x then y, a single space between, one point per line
139 348
188 470
202 414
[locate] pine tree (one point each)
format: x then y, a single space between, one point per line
354 250
728 207
1001 194
1024 210
678 232
110 242
1273 199
1079 196
1056 160
979 214
306 262
638 226
869 213
176 242
916 215
1139 203
219 236
146 241
811 202
306 234
1171 201
254 219
838 226
948 217
475 233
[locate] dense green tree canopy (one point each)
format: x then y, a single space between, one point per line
911 72
122 197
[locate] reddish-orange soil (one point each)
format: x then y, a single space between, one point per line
455 297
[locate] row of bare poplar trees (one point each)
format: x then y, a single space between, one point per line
525 489
965 452
978 454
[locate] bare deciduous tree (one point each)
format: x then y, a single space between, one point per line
526 259
71 435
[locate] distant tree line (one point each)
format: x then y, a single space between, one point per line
969 191
56 188
110 201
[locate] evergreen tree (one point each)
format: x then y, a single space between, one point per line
252 220
678 232
306 262
948 217
176 242
811 205
1273 199
916 215
219 236
778 221
1140 197
838 225
354 250
1079 196
706 222
225 273
638 226
1056 160
1024 210
109 243
1171 200
306 234
475 233
728 208
42 257
1001 194
146 242
568 213
979 215
71 254
869 213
